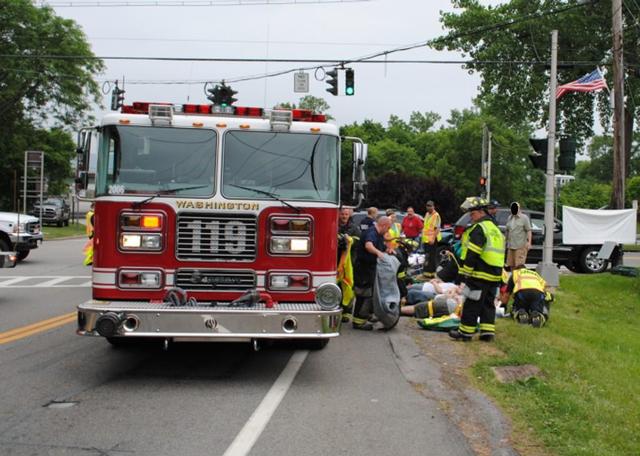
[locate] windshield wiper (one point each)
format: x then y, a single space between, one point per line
139 204
272 195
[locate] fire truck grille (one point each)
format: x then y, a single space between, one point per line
216 237
215 279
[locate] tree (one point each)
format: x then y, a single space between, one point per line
585 194
37 90
516 91
315 104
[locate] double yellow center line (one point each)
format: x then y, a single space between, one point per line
35 328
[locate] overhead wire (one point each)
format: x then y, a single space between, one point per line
329 62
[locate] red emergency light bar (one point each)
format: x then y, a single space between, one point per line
298 115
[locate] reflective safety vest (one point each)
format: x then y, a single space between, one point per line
394 232
431 224
492 253
89 224
526 279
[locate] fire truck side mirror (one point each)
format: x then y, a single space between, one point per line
360 151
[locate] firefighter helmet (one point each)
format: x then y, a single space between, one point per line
473 203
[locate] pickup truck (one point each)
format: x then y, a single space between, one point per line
19 233
55 210
577 258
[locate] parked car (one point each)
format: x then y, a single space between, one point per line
578 258
19 233
55 210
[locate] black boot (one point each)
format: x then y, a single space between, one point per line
363 326
457 335
487 336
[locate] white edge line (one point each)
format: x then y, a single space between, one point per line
249 434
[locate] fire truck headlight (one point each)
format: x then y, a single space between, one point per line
290 245
328 296
141 242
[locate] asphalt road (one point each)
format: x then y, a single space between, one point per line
365 394
67 395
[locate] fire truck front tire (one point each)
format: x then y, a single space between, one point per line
312 344
129 342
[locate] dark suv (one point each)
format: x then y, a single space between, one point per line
578 258
54 210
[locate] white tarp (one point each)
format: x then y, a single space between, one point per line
589 226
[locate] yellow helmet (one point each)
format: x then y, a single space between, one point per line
473 202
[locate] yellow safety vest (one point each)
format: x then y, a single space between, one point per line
394 232
431 222
526 279
492 253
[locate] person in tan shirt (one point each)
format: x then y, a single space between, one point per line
518 237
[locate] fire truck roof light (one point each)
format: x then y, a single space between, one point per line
280 120
160 114
302 115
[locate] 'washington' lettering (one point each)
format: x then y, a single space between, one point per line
187 204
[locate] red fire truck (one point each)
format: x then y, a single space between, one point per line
215 223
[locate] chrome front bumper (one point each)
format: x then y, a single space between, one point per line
283 321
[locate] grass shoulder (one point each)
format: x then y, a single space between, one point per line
589 399
54 232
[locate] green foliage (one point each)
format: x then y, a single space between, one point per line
39 90
42 88
585 193
633 188
316 104
517 92
450 155
399 190
588 354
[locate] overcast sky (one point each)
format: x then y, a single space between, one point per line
299 31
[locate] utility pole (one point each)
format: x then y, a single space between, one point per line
488 184
484 165
547 268
617 197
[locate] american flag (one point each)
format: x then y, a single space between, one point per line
587 83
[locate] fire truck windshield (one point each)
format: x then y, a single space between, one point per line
295 166
156 160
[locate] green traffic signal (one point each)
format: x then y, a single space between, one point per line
349 82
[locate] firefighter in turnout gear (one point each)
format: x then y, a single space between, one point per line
482 258
530 300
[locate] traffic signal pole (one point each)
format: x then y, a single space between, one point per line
547 268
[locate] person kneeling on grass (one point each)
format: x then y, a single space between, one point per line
530 301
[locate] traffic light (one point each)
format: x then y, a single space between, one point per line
332 80
567 158
349 83
483 182
539 158
222 95
117 98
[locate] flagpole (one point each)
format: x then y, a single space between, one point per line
547 268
